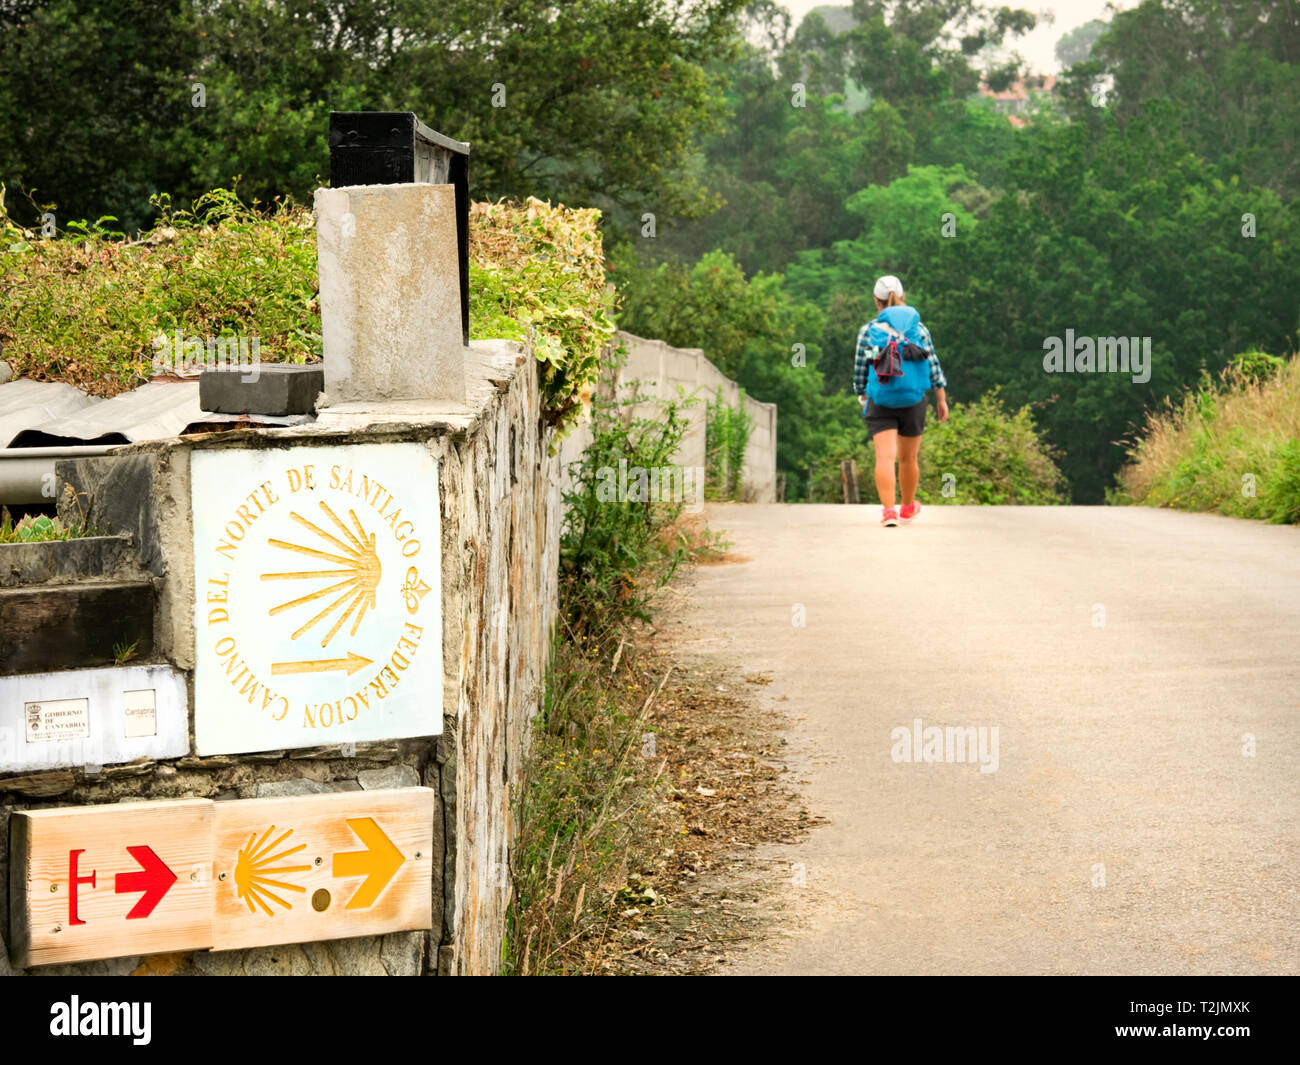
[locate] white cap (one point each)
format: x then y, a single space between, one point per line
887 284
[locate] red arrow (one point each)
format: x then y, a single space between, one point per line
154 879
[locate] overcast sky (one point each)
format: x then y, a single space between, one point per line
1037 47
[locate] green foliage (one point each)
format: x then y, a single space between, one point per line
903 50
1118 231
901 225
972 134
1231 446
785 166
754 331
993 456
1280 500
617 554
726 435
584 809
90 95
538 273
1076 46
1255 365
1132 220
983 454
86 307
603 98
591 800
788 191
1226 71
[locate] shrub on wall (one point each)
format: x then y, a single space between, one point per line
537 272
84 306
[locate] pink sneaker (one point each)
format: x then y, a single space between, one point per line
888 517
909 511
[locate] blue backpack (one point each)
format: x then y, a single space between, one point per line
889 364
899 375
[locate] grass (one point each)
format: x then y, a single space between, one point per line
590 802
589 807
1231 447
593 808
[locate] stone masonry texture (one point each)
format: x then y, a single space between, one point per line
500 530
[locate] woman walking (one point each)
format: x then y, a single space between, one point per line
894 366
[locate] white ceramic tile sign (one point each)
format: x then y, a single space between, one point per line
317 609
92 717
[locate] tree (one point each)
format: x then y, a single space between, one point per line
87 93
1125 233
900 226
917 54
754 332
590 101
1076 46
1232 67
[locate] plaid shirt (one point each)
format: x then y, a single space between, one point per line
867 353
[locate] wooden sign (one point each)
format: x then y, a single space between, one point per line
92 717
317 610
312 867
104 881
141 878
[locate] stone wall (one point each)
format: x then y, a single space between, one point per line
667 373
499 492
499 543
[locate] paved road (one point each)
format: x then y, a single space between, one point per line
1123 831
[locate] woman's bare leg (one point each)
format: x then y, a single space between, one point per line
886 451
909 468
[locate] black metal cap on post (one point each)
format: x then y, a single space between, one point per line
395 148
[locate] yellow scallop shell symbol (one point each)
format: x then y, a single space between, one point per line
256 873
358 577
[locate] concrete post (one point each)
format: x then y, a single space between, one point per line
390 293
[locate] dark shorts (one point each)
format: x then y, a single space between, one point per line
909 421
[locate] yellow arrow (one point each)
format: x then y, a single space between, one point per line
378 863
352 663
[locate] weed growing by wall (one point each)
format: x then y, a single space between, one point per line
616 550
591 802
38 528
726 436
